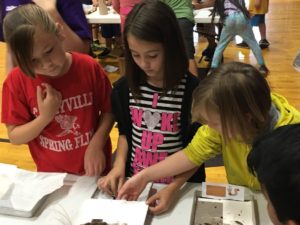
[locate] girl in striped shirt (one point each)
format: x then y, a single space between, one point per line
152 102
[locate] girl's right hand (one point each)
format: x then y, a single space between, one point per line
48 100
133 187
113 181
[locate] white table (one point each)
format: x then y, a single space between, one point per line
182 210
200 16
65 202
62 206
203 16
111 18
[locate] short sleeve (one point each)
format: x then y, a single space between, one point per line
205 144
72 13
15 110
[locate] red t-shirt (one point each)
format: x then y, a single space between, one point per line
61 146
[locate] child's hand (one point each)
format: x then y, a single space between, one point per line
113 181
48 5
133 187
48 100
161 201
95 3
94 161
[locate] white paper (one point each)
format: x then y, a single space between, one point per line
6 184
27 188
112 211
103 206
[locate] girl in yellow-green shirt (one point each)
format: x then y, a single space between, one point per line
237 107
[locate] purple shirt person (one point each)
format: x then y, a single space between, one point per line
68 13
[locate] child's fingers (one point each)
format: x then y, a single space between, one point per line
87 169
158 209
51 92
93 169
104 185
122 195
156 206
39 95
152 200
120 183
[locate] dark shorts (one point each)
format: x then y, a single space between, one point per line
257 19
110 30
187 30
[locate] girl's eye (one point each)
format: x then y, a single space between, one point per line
135 56
49 51
34 62
152 56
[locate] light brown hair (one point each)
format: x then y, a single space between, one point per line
19 28
240 95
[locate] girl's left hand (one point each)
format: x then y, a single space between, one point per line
161 201
133 187
94 161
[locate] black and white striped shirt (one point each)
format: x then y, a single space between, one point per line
155 125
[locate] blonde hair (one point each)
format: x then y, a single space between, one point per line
240 95
19 28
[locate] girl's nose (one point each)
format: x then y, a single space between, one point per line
144 63
45 63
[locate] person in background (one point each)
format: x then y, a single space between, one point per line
236 21
152 102
123 7
275 160
183 10
110 32
55 101
207 29
236 107
68 13
258 9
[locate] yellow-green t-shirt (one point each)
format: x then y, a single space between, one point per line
263 9
208 143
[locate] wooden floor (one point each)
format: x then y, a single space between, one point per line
283 32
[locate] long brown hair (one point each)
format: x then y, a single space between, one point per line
154 21
240 95
19 28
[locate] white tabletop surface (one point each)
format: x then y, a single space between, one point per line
203 16
111 18
65 202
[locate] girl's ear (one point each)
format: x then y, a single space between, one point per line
60 32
